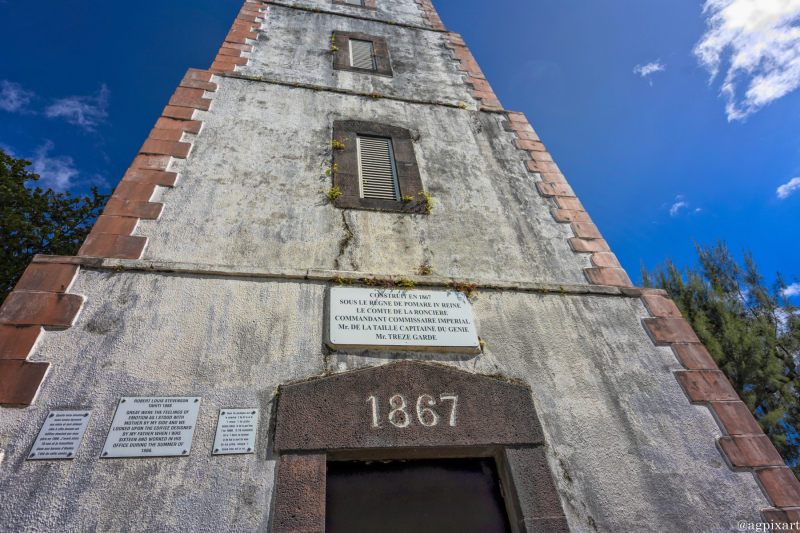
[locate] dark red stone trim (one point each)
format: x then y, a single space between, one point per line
745 446
346 163
17 342
368 4
429 14
481 90
230 55
331 419
341 59
20 381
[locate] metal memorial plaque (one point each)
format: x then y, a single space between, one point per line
236 432
152 427
402 319
60 436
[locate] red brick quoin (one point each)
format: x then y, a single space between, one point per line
39 300
744 445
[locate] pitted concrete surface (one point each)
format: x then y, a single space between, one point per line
295 47
397 11
628 452
251 194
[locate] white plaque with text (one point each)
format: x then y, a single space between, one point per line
402 319
236 431
60 436
152 427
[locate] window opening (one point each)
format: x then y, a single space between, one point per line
377 174
354 2
362 54
423 496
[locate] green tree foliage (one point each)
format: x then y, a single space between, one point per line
750 329
33 221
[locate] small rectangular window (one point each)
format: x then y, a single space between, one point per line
376 169
354 2
361 54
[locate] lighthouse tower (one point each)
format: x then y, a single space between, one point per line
341 288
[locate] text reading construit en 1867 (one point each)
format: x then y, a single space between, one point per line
60 436
236 431
152 427
401 318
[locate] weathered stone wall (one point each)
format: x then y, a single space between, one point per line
627 450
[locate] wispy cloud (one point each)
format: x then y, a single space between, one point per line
788 188
56 172
792 290
13 98
759 40
646 70
676 208
84 111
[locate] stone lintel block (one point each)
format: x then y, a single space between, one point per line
197 74
554 189
605 260
669 330
182 113
736 418
113 246
300 490
586 230
52 309
749 451
138 192
47 278
592 245
788 515
695 357
204 85
174 149
17 342
616 277
189 126
568 215
660 306
204 104
781 486
20 381
151 162
130 208
157 177
703 386
115 225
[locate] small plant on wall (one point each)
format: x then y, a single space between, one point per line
332 194
425 269
470 289
334 48
338 145
332 170
430 203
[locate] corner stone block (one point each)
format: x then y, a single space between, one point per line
572 204
781 485
750 451
783 516
51 309
705 386
669 330
736 418
181 113
662 307
113 246
300 494
605 260
128 208
151 162
17 342
139 192
568 215
586 230
695 357
47 277
20 381
594 245
615 277
115 225
555 189
156 177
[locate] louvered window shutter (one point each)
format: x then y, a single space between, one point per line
361 54
376 169
354 2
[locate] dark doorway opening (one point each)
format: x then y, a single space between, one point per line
425 496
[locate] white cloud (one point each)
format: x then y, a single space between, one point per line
14 98
676 207
55 172
788 188
84 111
646 70
759 40
792 290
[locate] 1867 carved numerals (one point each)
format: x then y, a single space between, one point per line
400 414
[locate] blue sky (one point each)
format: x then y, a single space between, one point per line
620 91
